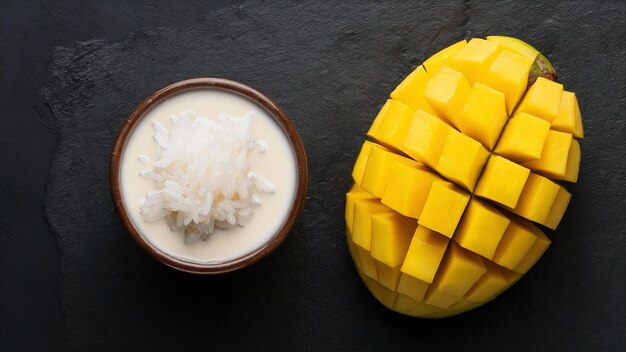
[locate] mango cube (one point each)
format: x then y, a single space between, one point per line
569 119
409 306
362 227
543 99
355 193
425 138
391 236
425 253
462 159
535 252
411 90
459 271
523 138
558 208
515 243
408 188
368 264
440 58
384 295
447 91
481 228
474 59
537 198
489 285
502 181
388 276
556 157
515 45
412 287
444 207
378 168
440 299
509 74
361 160
484 115
390 126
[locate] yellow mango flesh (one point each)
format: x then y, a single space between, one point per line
461 157
502 181
411 91
560 158
440 58
568 119
509 75
481 229
515 45
390 126
543 99
424 254
444 207
446 91
424 138
484 115
391 235
474 58
523 138
408 188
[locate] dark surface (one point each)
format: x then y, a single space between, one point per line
72 279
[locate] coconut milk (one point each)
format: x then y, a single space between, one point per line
277 164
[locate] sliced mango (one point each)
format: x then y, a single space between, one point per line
502 181
558 208
509 74
424 254
537 198
425 138
462 159
362 227
440 58
390 126
560 151
535 252
444 207
481 228
484 115
408 188
355 193
489 285
460 270
569 119
391 236
523 138
411 90
514 245
446 91
412 287
474 58
543 99
388 276
377 169
361 160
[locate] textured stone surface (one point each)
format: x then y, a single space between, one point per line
71 278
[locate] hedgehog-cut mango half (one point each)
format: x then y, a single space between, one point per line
463 168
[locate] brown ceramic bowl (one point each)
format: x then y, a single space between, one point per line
249 93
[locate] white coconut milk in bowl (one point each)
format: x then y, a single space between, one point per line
208 175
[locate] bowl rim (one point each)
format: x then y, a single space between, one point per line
274 110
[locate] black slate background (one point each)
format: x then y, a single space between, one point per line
72 279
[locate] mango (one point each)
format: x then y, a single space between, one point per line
458 168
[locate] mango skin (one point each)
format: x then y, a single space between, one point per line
460 163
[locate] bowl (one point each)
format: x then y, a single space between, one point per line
273 110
